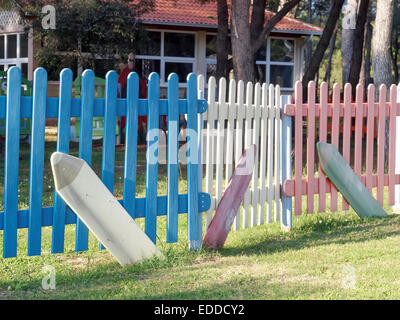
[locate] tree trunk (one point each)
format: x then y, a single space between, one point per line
348 30
381 63
243 59
365 71
247 38
291 13
358 46
222 40
308 47
381 41
331 50
395 55
323 44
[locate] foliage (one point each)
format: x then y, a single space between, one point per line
87 30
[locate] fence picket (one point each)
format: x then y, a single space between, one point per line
347 109
335 138
270 159
310 146
152 156
85 146
11 162
131 136
63 133
110 114
277 153
37 162
222 113
211 116
323 132
247 143
230 131
241 113
263 153
370 136
298 148
392 145
256 132
358 130
381 143
193 162
173 145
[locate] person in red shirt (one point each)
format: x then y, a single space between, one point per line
122 80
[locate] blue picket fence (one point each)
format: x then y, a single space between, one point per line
13 107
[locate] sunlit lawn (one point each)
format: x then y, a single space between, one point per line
325 256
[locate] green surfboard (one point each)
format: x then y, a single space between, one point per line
347 182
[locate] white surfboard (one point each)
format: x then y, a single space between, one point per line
82 190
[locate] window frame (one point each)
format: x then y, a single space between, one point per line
18 60
208 60
267 62
280 63
164 59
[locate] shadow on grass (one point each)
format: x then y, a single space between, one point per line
317 235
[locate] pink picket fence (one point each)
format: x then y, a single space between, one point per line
342 122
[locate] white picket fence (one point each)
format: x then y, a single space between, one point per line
249 116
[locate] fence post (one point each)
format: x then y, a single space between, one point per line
286 136
396 207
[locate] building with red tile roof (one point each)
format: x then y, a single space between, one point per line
183 40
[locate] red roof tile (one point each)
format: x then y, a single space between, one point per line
193 13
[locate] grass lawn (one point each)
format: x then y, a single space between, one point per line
325 256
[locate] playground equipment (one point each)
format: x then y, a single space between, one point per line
81 189
230 202
347 182
98 122
26 91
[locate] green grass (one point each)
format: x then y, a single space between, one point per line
310 262
257 263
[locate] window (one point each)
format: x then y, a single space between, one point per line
211 55
14 52
280 62
167 52
274 61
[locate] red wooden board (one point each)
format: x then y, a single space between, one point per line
221 224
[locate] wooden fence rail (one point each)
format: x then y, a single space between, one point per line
249 115
332 122
13 107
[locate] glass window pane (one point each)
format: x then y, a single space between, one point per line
211 46
282 50
261 73
12 46
24 70
262 53
282 75
152 47
1 47
23 46
181 69
146 66
1 67
211 70
179 45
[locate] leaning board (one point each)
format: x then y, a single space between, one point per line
81 189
